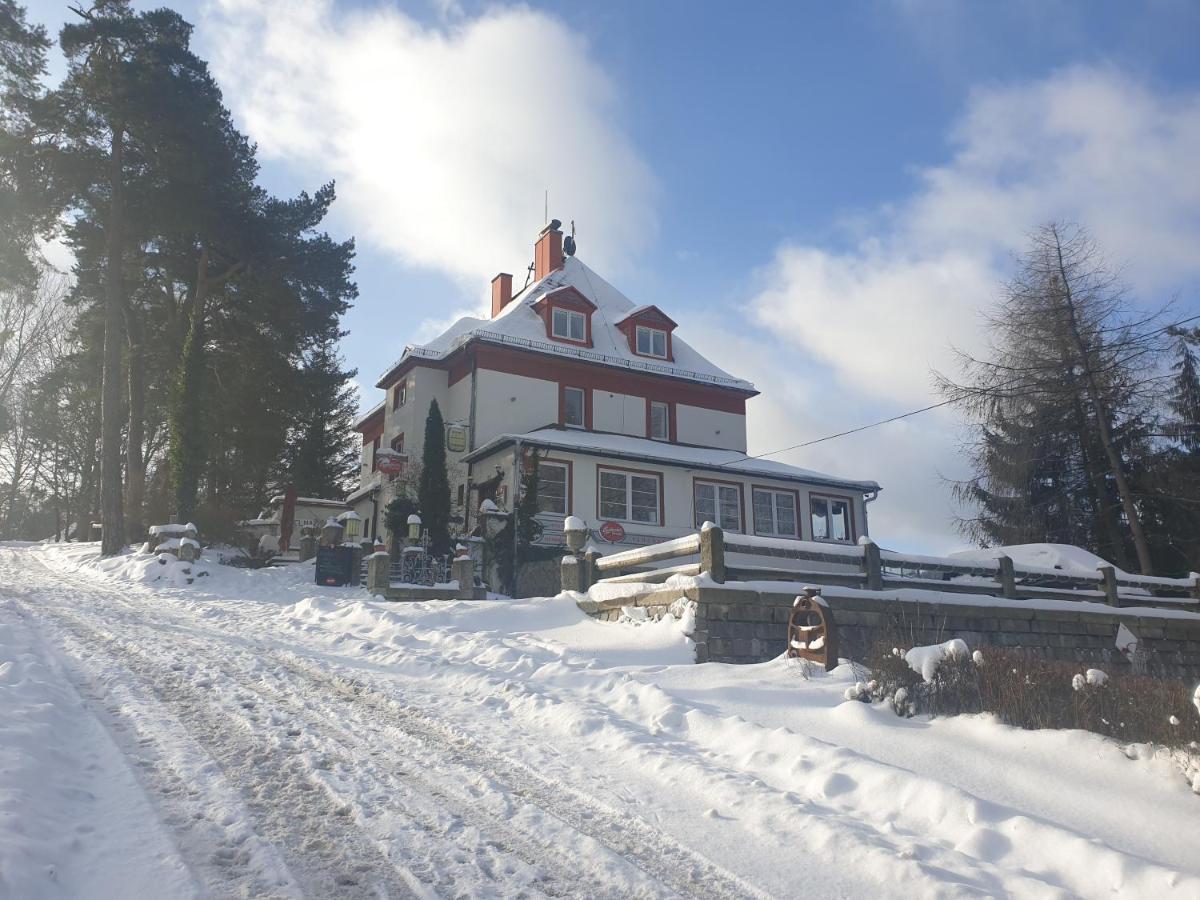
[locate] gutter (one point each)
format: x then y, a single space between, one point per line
863 487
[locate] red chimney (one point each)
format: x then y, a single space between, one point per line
501 292
547 252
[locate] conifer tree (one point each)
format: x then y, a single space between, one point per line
1061 405
433 490
323 458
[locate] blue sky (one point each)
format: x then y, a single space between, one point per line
823 195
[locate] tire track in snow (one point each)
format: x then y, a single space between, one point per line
323 850
632 841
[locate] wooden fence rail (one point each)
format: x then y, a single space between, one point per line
866 566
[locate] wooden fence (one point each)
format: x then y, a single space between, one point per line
866 566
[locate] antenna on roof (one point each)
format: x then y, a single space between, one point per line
569 241
546 208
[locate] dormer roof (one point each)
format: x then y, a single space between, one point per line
519 325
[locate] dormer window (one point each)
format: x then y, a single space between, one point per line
651 342
569 325
567 315
648 330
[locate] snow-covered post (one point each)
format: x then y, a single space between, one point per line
1196 585
712 552
379 572
1008 577
462 570
872 565
590 574
1109 574
571 572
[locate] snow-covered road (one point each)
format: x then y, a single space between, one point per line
252 735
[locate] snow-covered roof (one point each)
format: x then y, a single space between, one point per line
372 484
365 417
622 446
518 325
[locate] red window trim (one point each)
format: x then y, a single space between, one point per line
566 298
662 495
562 406
849 505
651 317
741 498
799 535
670 357
672 428
587 327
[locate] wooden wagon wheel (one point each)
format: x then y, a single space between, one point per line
812 633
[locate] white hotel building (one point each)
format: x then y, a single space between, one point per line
631 425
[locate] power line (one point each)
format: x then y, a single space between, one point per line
924 409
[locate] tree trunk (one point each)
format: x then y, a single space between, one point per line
135 464
111 517
1140 544
187 431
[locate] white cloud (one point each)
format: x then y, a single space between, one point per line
1088 145
442 138
867 324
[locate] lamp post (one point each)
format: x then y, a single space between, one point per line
414 528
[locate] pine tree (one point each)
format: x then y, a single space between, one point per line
1061 406
324 459
25 207
1184 398
433 491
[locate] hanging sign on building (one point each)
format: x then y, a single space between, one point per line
390 462
456 438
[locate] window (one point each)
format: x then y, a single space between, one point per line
830 518
552 488
775 513
398 443
630 496
660 421
462 494
400 397
375 453
569 325
574 412
719 503
651 342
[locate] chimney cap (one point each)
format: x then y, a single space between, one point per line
503 275
555 225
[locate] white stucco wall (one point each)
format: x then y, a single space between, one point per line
507 404
678 505
619 413
710 428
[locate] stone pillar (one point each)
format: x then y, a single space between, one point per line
462 570
379 572
308 547
590 574
572 569
331 534
712 552
188 550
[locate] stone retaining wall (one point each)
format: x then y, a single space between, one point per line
741 625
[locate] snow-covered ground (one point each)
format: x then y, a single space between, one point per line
252 734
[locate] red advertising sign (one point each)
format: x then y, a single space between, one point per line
612 532
389 462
